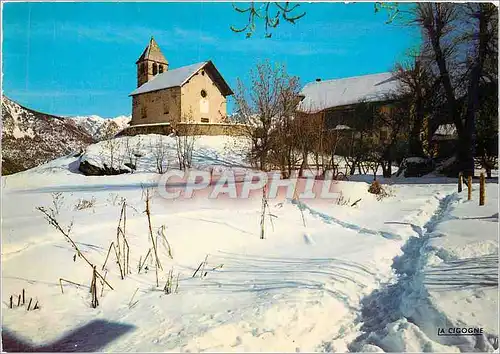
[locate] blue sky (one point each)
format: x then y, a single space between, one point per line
79 58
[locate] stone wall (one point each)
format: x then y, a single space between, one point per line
157 107
163 129
211 129
187 129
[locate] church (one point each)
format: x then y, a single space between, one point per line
194 93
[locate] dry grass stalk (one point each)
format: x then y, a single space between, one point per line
299 205
107 256
52 221
67 281
144 262
85 203
29 305
156 272
118 262
263 214
161 233
132 304
23 296
356 202
123 249
203 267
197 269
148 213
169 284
93 289
102 283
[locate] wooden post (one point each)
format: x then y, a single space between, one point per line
469 186
11 304
23 296
482 189
460 178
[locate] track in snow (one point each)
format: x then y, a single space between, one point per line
406 303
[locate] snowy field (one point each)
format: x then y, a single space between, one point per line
378 276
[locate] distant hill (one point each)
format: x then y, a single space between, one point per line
101 128
30 138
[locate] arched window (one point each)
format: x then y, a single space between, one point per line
161 68
155 69
145 68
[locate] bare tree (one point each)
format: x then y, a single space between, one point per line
460 38
159 150
185 142
270 13
268 107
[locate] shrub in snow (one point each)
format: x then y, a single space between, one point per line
379 190
85 203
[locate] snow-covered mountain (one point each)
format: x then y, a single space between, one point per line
101 128
30 138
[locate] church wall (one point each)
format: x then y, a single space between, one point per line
157 107
213 106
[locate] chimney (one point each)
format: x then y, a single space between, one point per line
318 79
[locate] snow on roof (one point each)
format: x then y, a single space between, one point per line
446 129
342 127
320 95
170 78
445 132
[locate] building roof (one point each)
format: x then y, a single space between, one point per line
178 77
320 95
445 132
153 53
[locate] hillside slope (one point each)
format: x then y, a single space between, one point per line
30 138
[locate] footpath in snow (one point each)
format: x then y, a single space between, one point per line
447 278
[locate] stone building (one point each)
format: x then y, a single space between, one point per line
195 93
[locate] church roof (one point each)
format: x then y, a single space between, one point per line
178 77
152 52
321 95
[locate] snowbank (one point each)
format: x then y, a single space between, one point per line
157 153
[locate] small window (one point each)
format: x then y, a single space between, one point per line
144 112
203 93
203 72
165 108
161 68
155 69
205 120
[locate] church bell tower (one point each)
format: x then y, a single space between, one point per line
151 63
